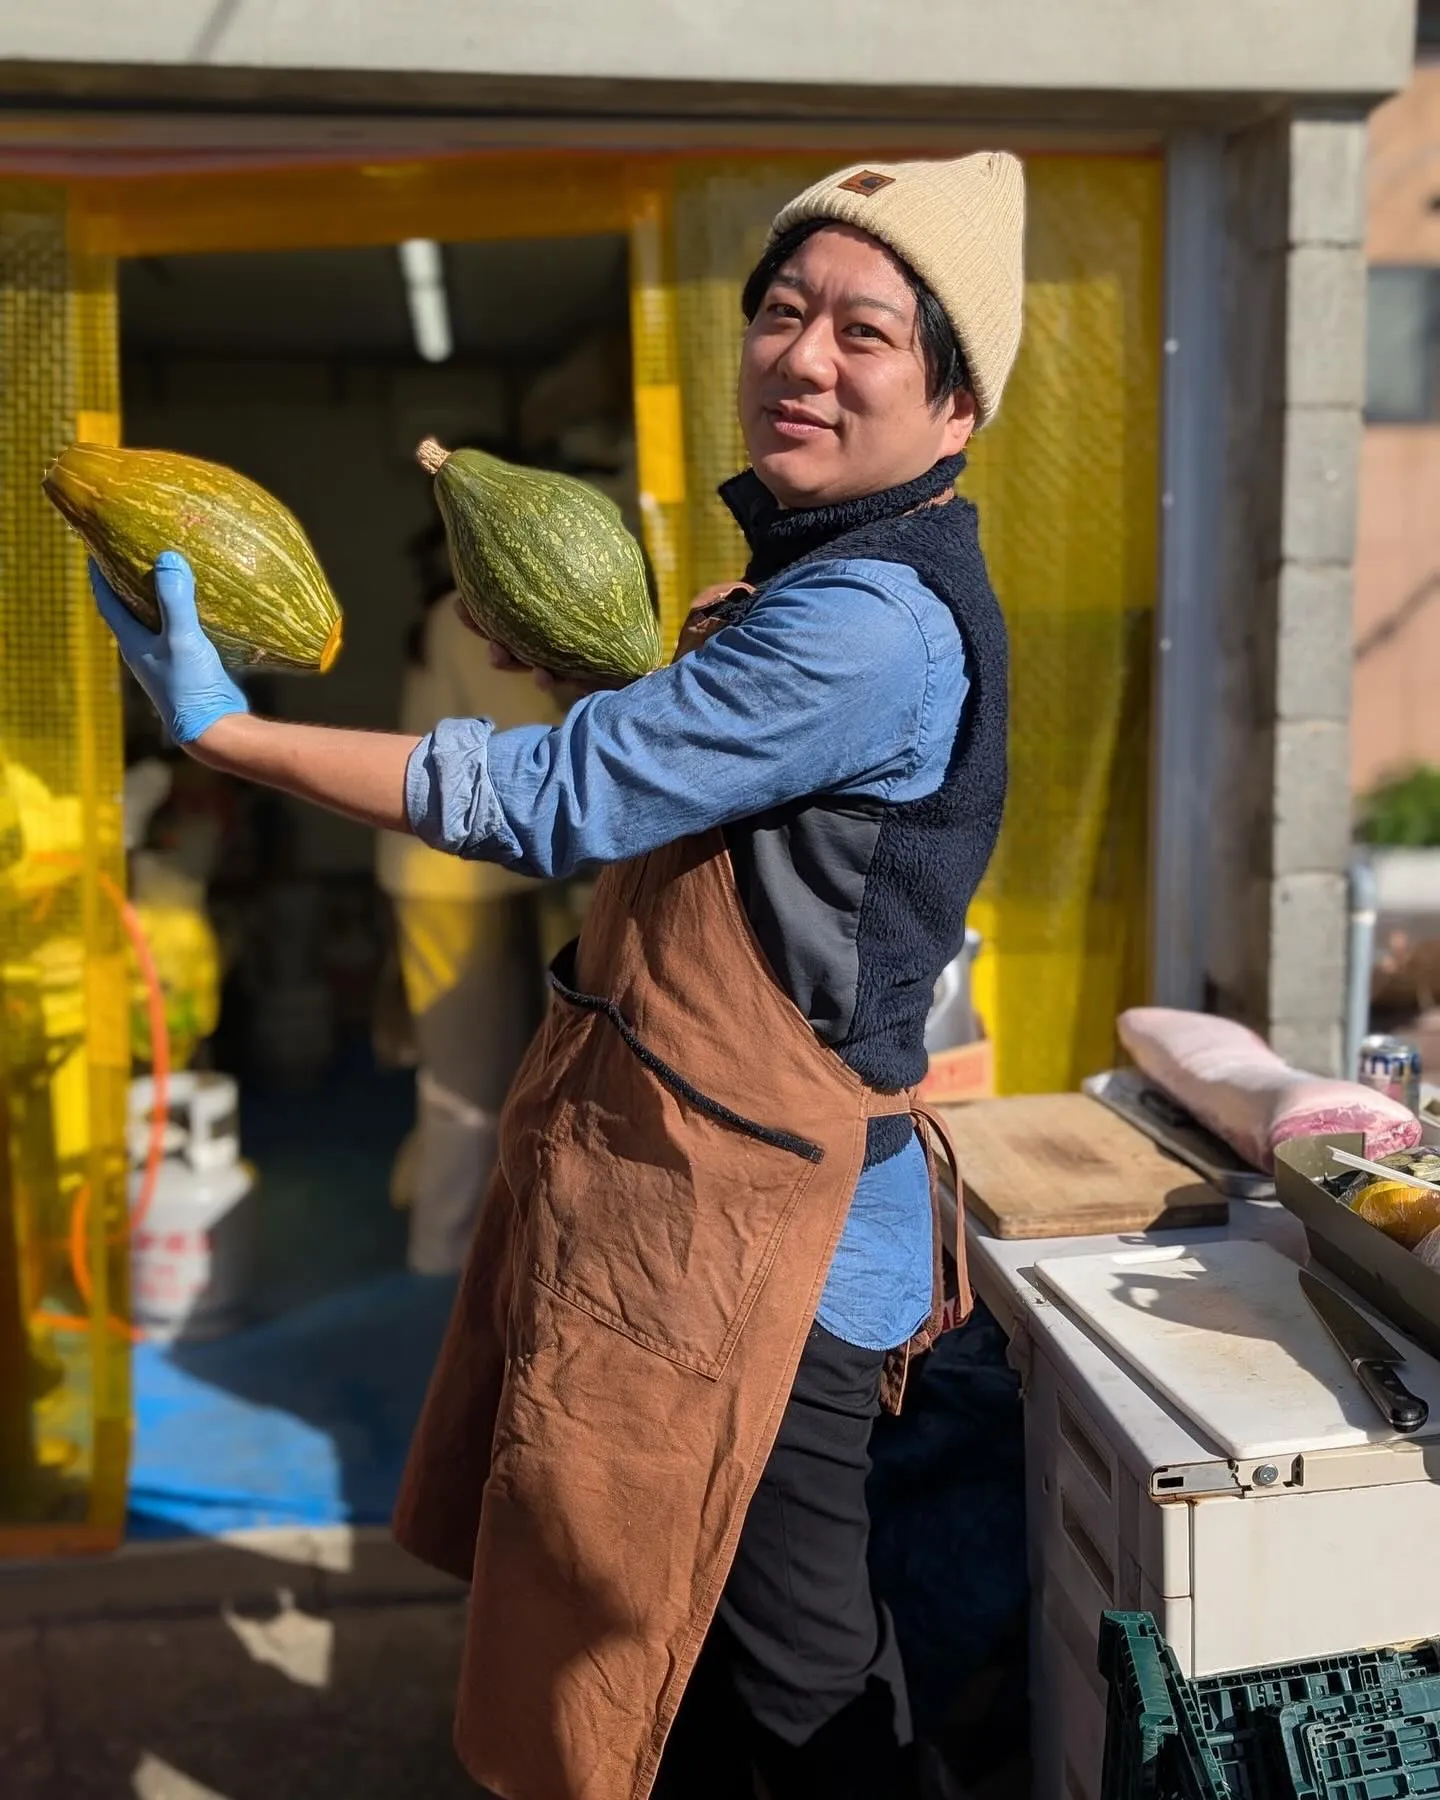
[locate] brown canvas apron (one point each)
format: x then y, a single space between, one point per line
677 1158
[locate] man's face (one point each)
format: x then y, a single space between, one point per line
832 377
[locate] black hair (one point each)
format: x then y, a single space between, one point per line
945 369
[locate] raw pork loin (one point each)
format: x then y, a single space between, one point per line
1233 1082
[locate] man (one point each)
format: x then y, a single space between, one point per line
646 1442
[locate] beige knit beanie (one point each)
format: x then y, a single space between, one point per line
961 227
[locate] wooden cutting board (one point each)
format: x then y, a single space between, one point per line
1063 1165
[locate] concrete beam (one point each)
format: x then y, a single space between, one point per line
1311 798
1295 356
1295 47
1327 181
1314 657
1325 347
1307 950
1322 466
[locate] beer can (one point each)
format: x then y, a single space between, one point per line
1391 1066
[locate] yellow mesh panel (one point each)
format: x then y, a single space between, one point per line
1066 484
722 218
661 466
64 1026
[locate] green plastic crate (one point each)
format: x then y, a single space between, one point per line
1358 1727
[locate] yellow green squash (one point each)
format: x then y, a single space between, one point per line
545 566
260 591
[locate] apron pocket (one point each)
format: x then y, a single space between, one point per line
656 1209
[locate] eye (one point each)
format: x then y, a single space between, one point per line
782 309
861 329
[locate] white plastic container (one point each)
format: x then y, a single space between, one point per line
203 1123
192 1255
1244 1562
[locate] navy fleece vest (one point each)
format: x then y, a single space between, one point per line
921 860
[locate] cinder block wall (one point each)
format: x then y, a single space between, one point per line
1295 389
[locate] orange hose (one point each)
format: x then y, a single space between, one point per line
159 1046
79 1232
160 1108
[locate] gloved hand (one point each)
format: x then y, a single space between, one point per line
178 667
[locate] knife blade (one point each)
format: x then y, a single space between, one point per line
1369 1353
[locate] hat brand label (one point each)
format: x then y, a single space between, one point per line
867 182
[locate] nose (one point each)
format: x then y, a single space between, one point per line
809 357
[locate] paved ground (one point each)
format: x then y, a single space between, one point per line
200 1708
284 1666
280 1665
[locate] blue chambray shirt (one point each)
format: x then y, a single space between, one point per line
845 678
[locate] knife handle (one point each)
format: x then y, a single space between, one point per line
1405 1411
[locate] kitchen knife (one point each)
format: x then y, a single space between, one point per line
1373 1357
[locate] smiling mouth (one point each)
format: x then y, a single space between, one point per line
793 422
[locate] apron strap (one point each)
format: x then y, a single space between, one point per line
879 1105
925 1119
929 1128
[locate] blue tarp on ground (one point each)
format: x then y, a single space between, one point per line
303 1420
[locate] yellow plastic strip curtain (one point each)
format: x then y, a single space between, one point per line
64 1003
661 471
1066 482
697 228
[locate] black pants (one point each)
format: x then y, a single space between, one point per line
799 1678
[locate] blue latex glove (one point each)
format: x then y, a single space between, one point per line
178 667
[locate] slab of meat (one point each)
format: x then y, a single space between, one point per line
1234 1083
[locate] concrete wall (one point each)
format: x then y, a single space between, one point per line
1295 374
1193 46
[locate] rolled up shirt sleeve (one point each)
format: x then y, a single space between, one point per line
824 687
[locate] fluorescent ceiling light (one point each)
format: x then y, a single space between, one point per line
424 272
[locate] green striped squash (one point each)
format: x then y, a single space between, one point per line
545 566
260 591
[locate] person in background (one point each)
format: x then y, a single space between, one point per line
468 945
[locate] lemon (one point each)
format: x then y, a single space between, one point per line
1402 1212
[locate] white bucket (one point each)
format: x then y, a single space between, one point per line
202 1125
192 1255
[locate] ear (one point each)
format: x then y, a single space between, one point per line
959 422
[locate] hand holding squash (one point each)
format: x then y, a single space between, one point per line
264 600
178 667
